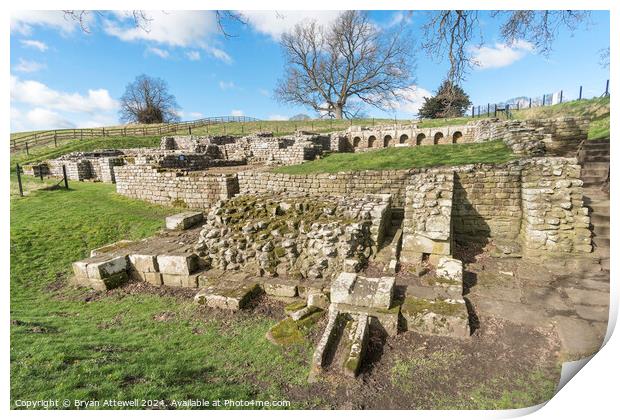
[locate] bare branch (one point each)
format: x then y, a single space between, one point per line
147 100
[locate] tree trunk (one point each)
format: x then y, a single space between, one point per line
338 111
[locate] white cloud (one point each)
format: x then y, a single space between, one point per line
33 43
400 17
158 52
184 29
41 118
274 23
193 55
37 94
500 55
196 115
226 85
413 100
264 92
27 66
236 113
277 117
22 21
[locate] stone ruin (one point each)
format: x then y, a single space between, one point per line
333 245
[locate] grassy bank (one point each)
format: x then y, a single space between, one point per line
406 157
74 345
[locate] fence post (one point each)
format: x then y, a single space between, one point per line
472 111
488 109
530 102
64 176
478 110
27 152
607 88
81 134
561 95
543 104
19 180
189 127
55 144
495 112
580 91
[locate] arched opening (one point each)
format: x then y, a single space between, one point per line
371 141
457 137
386 140
438 137
419 139
356 142
403 139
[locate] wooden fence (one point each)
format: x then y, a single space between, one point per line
43 138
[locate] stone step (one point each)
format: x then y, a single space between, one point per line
601 242
592 179
601 231
593 184
600 159
599 172
598 209
597 141
597 152
599 219
595 165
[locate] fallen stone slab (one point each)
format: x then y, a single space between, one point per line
578 338
100 272
182 221
107 267
359 342
436 317
356 290
177 264
280 287
231 296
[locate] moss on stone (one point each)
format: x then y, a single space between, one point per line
413 306
295 306
286 332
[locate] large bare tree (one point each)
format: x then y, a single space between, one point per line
146 100
328 66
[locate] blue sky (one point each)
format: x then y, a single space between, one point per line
62 77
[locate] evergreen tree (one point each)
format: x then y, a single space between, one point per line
449 101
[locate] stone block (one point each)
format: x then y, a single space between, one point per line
276 287
436 317
111 248
450 269
415 244
318 300
153 278
182 221
356 290
180 280
231 296
144 263
177 264
100 268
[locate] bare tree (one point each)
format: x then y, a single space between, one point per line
142 20
453 33
351 58
146 100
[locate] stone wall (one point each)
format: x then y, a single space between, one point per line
196 189
427 226
555 220
487 201
342 183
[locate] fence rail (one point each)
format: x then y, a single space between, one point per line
43 138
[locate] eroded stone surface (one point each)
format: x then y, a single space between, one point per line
356 290
182 221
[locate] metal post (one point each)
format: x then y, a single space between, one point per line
64 176
580 91
19 180
530 102
27 152
543 104
495 112
607 88
488 109
561 95
472 111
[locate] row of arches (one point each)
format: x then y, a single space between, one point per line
420 140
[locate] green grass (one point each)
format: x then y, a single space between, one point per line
405 158
38 154
63 346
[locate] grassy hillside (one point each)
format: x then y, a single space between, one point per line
406 157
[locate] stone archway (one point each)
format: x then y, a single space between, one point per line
386 140
403 139
420 139
371 141
356 142
457 137
438 137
